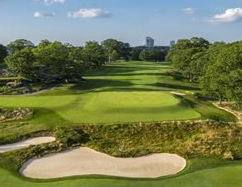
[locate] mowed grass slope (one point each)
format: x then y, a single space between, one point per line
109 107
215 177
120 92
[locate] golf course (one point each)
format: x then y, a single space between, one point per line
123 93
128 110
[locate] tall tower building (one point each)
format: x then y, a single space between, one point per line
150 42
173 42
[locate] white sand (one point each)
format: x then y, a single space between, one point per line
26 143
85 161
178 93
237 114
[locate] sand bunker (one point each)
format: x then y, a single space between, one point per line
178 93
85 161
26 143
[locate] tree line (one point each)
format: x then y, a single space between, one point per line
51 61
217 67
155 54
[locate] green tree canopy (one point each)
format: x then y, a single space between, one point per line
59 60
224 75
184 56
121 50
22 63
94 54
18 45
3 54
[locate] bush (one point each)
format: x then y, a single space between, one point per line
228 155
12 91
15 114
190 139
71 136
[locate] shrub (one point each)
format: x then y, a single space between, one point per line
15 114
71 136
228 155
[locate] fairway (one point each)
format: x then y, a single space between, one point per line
120 92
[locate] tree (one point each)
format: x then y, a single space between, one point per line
94 54
115 55
154 55
122 50
110 45
135 54
44 43
223 76
199 42
3 54
217 67
215 82
202 60
185 56
58 60
18 45
183 62
22 63
231 59
235 85
77 65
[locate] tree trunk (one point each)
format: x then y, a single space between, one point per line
220 100
109 58
190 77
66 81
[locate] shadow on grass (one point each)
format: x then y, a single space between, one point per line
176 86
130 74
48 118
208 111
121 87
182 105
147 110
120 70
93 84
125 89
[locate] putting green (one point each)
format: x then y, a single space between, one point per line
120 92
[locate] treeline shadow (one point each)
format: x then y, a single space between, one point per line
129 74
107 85
117 70
176 86
94 84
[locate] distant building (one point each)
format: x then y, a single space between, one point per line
150 42
173 42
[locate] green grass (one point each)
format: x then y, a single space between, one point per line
118 93
225 176
143 139
10 78
125 92
109 107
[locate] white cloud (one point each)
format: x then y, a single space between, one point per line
230 16
89 13
189 10
48 2
43 15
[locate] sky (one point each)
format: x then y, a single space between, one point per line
78 21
